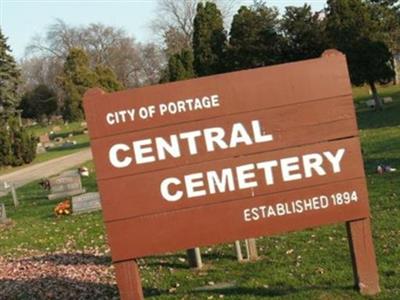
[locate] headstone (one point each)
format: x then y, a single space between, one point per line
3 215
387 100
58 140
6 187
86 203
40 148
49 146
56 118
370 103
73 172
65 186
68 144
44 138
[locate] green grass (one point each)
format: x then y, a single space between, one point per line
312 264
82 141
39 129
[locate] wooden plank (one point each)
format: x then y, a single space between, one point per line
363 257
194 258
251 247
225 222
140 194
128 278
308 123
242 91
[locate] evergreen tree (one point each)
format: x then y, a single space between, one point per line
352 29
9 77
39 102
303 33
371 63
254 38
76 79
387 14
106 79
16 145
180 66
209 39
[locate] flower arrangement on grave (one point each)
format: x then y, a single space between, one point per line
63 208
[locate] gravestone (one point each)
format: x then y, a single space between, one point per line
6 187
370 103
387 100
67 173
56 128
58 140
3 215
65 186
44 138
85 203
40 148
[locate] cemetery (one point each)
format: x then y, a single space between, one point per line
165 277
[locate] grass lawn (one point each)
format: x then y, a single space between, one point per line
82 141
65 129
312 264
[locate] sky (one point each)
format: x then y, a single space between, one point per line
21 20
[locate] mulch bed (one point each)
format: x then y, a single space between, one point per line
58 275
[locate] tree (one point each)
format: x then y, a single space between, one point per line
76 79
371 62
39 102
352 29
387 14
134 64
40 70
175 19
9 78
180 66
254 38
209 39
107 79
303 33
17 145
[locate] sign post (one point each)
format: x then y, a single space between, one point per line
230 157
194 258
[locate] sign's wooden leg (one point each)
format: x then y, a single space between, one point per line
128 280
251 248
363 256
238 251
194 258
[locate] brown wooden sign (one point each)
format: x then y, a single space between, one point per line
229 157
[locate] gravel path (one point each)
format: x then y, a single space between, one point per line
46 169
